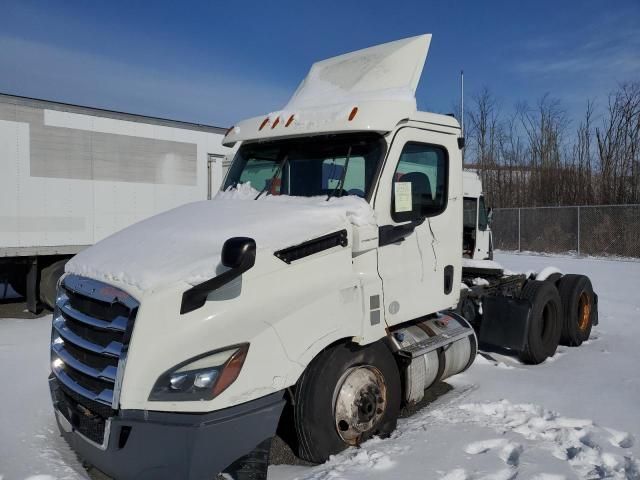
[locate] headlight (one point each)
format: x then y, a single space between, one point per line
201 378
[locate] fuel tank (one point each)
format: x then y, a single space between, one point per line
437 347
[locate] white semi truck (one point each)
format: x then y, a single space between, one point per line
72 175
319 292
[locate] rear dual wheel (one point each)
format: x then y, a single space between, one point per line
347 395
578 302
545 321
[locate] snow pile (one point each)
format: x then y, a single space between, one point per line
185 243
579 442
480 281
243 191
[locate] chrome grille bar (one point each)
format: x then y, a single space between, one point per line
108 373
92 325
105 397
113 349
118 324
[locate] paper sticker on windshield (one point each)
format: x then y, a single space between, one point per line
403 196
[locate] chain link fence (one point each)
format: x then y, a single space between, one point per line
602 230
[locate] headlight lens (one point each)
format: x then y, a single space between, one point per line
201 378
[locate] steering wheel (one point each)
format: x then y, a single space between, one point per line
357 192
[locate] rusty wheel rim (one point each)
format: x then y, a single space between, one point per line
360 400
584 311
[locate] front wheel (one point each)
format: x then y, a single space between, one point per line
347 395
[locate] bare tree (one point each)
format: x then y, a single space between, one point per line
532 159
619 146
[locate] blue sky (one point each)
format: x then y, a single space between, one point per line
218 62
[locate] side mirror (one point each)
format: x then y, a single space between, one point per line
239 255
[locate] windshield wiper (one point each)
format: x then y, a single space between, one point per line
342 177
269 183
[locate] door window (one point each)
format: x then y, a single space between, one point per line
469 213
483 217
420 182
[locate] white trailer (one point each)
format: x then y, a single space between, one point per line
314 296
71 175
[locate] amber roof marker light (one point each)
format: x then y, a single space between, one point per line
290 120
354 112
264 122
275 122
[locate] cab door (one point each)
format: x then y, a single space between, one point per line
418 205
483 248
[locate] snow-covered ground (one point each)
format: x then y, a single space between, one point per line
575 416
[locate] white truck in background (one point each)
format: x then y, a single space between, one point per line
71 175
477 241
320 291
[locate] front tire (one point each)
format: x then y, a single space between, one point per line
345 396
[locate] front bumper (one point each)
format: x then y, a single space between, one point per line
157 445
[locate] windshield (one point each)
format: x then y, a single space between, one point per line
332 165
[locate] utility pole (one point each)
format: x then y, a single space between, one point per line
462 102
462 111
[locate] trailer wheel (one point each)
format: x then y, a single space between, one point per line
545 321
347 395
49 277
17 278
579 308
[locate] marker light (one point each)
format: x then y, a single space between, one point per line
353 113
264 122
290 120
275 122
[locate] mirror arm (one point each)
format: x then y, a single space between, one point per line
240 248
196 297
388 234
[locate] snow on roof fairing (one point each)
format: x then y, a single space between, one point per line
390 71
380 81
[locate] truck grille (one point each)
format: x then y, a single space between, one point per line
92 325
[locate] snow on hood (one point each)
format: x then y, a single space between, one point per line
185 243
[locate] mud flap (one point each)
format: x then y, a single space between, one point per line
505 322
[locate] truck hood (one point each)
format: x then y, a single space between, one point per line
184 244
